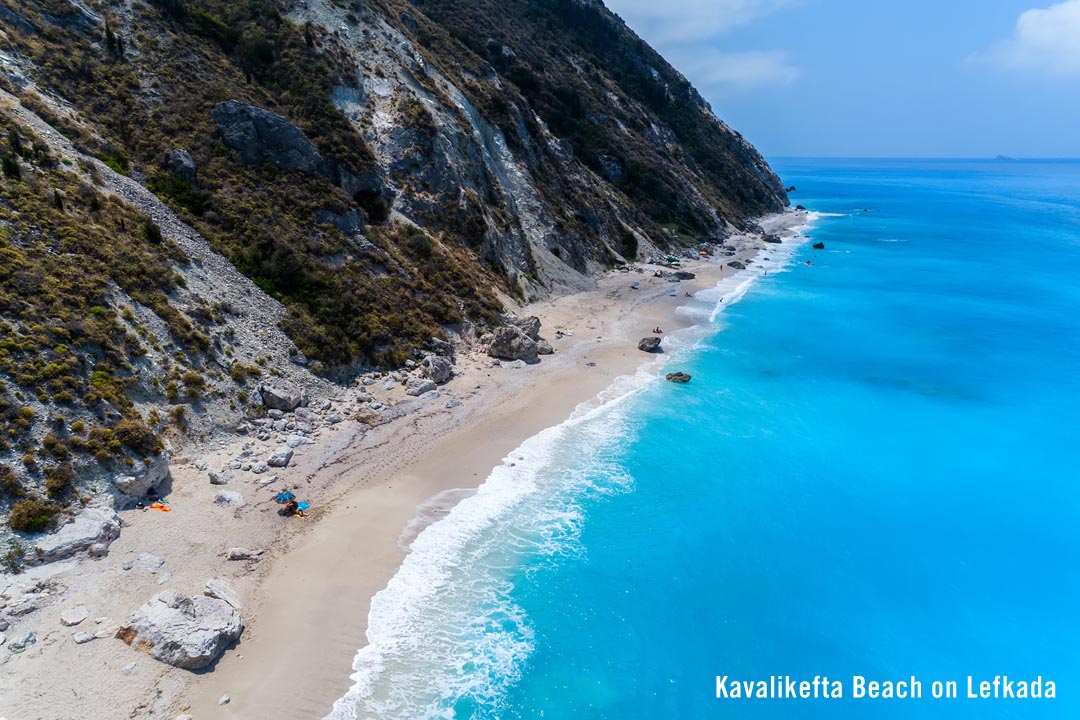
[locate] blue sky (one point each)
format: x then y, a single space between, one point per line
915 78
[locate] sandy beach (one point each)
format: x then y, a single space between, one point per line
306 592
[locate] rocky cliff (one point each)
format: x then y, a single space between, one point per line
201 195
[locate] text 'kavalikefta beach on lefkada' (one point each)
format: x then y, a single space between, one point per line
539 359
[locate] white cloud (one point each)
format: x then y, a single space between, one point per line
1045 39
684 20
688 33
740 69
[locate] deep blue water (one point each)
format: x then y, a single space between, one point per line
872 472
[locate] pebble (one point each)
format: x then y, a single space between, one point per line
74 616
81 638
129 668
224 699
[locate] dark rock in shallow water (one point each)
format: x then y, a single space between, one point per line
819 246
677 377
790 189
800 207
648 344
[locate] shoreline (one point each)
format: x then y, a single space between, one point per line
476 450
306 601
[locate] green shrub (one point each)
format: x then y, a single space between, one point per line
138 437
12 559
33 515
58 481
10 487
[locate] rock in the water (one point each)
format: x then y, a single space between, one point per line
219 478
543 347
285 399
141 476
649 344
185 632
73 616
678 377
510 343
182 164
220 589
819 246
81 638
20 643
93 526
228 498
436 369
260 136
530 326
280 457
295 440
416 386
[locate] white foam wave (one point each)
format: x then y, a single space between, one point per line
445 636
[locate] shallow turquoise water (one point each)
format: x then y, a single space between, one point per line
872 472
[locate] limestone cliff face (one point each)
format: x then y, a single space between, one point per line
201 196
456 148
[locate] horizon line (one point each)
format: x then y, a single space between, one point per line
986 158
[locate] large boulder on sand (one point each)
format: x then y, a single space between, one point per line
530 326
648 344
280 457
185 632
285 399
511 343
436 368
417 386
94 525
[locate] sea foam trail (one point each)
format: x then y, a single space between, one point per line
445 637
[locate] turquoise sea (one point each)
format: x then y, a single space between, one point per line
873 472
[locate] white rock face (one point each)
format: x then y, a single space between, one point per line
295 441
138 479
220 589
73 616
94 525
185 632
419 385
280 458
